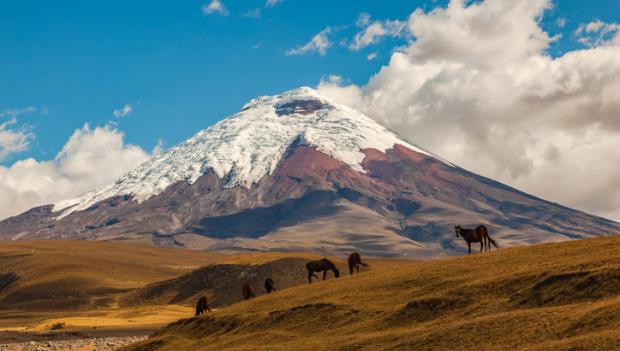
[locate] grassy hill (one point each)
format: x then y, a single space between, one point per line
72 275
81 283
552 296
119 288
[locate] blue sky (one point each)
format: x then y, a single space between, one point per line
181 69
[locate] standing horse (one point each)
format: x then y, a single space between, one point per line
478 235
354 262
247 291
202 306
323 265
269 285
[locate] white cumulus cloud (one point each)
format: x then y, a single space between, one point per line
13 140
255 13
477 86
319 43
373 32
362 20
215 6
17 112
124 111
271 3
598 33
91 158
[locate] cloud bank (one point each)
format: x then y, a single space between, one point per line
90 158
476 85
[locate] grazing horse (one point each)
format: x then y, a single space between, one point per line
354 262
323 265
478 235
269 285
202 306
247 291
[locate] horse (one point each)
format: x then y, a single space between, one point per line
202 306
478 235
322 265
269 285
354 262
247 291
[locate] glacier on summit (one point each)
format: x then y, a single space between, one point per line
247 146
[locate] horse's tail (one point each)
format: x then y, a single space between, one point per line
493 242
485 233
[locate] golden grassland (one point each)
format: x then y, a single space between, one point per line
78 283
562 296
552 296
85 284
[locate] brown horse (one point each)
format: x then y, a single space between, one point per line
355 260
247 291
478 235
322 265
202 306
269 285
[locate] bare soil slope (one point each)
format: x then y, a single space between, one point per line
553 296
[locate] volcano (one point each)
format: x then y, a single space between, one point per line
298 172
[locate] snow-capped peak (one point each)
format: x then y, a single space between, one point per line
245 147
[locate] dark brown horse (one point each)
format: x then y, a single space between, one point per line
269 285
322 265
202 306
247 291
478 235
355 260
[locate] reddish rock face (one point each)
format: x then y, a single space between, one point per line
380 166
307 162
413 199
409 154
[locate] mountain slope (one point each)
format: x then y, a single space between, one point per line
297 172
562 296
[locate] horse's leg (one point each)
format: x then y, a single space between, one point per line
324 274
481 245
310 274
357 266
469 247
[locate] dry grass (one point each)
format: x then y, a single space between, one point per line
80 284
124 318
553 296
88 285
74 275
